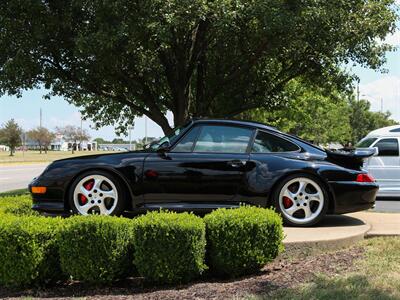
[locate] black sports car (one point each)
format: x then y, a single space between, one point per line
208 164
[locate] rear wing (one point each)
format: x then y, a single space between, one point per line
352 159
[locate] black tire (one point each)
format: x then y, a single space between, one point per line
276 200
121 192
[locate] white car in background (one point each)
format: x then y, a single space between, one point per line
385 166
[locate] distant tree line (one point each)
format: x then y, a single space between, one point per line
12 135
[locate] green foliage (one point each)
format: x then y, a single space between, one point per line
321 116
169 247
120 59
10 134
362 120
17 205
28 250
241 241
42 136
311 114
96 249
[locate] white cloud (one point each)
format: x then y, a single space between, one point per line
393 39
383 92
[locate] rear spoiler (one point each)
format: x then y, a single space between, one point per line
352 159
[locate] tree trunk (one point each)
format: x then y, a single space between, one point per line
40 148
11 151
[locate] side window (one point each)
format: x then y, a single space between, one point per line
222 139
186 143
266 143
388 147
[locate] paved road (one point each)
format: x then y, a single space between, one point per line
17 177
387 206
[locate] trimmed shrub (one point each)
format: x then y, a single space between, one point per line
17 205
241 241
169 247
28 250
96 249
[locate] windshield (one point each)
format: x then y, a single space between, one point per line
365 143
169 138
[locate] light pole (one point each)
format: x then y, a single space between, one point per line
130 137
145 130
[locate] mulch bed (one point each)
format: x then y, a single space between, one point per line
286 271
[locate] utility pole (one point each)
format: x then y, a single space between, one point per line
381 105
40 122
130 137
145 130
358 90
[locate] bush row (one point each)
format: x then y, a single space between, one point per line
17 205
162 247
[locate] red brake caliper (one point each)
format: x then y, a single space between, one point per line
287 202
88 186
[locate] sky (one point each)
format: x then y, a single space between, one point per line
381 89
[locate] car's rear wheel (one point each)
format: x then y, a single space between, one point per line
96 192
301 200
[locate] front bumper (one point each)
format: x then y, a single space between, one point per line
353 196
51 202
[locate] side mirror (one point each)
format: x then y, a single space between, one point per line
164 147
376 151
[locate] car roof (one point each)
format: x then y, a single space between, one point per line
389 131
237 122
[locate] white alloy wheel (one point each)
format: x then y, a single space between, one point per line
95 194
301 201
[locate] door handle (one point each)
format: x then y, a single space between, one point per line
237 163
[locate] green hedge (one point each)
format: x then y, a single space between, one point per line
28 250
96 249
169 247
241 241
17 205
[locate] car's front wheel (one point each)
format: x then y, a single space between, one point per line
301 200
96 192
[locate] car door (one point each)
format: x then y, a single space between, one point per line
205 165
385 167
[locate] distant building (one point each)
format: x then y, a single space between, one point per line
60 144
4 148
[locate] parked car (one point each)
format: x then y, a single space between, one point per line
208 164
385 166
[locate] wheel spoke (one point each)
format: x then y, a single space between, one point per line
302 187
84 191
289 194
291 210
85 208
109 194
307 212
103 209
314 197
97 183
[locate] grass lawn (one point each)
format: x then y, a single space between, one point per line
35 156
376 276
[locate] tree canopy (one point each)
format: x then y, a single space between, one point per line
322 117
121 59
42 136
10 135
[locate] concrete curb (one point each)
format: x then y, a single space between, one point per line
330 244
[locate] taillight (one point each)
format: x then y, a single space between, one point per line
365 178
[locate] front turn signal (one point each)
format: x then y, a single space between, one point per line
39 189
365 178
